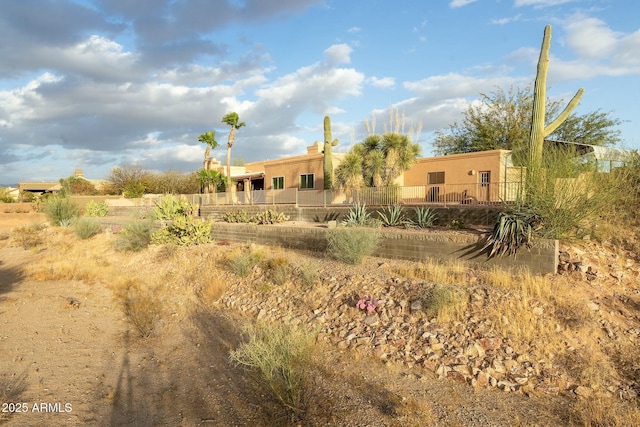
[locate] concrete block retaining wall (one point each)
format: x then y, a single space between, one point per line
473 216
541 259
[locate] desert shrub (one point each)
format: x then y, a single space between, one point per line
12 388
307 275
392 216
242 264
94 209
141 308
5 197
279 356
60 210
29 236
269 217
425 217
240 216
351 244
86 228
446 302
278 270
183 231
135 236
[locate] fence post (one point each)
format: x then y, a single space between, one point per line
296 197
444 186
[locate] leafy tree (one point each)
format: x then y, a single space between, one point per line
172 182
232 120
502 120
208 138
377 161
75 185
128 180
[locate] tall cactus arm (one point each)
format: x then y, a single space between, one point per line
551 127
538 130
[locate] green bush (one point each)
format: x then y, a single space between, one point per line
135 236
133 189
94 209
60 210
351 244
86 228
280 357
183 231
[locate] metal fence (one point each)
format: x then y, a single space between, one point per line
441 194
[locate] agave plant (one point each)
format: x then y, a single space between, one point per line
514 229
357 216
425 217
392 216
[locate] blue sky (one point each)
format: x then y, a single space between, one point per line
94 84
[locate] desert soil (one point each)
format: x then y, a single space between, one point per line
69 357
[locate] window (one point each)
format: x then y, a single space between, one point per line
485 178
435 178
306 181
277 182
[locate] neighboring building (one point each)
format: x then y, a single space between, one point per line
37 187
470 178
485 176
303 172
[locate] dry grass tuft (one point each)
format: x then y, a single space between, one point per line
446 271
141 306
597 411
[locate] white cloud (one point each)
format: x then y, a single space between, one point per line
540 3
338 54
460 3
384 82
503 21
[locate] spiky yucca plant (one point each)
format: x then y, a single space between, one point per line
513 230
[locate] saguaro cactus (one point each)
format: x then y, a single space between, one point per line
538 129
328 160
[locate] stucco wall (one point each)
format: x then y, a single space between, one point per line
541 259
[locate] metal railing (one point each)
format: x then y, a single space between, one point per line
440 194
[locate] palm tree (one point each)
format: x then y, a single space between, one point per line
208 138
232 120
210 179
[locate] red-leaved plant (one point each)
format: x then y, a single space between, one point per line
368 303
